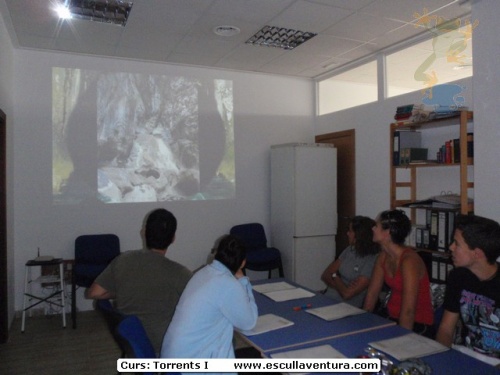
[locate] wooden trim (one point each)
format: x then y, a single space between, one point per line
4 312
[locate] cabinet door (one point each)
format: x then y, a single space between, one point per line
311 256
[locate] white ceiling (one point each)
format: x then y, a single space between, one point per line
181 31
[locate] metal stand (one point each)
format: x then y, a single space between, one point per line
57 298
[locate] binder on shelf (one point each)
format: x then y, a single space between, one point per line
440 268
435 270
419 236
451 227
425 238
443 275
456 150
409 154
433 235
404 139
470 148
442 231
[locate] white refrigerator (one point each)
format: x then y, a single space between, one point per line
304 209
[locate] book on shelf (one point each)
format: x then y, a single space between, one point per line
413 113
408 154
404 139
446 223
470 148
444 201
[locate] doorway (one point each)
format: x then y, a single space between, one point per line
344 142
4 312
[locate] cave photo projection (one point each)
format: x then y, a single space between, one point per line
126 137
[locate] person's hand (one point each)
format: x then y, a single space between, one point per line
239 274
353 283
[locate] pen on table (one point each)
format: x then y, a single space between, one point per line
298 308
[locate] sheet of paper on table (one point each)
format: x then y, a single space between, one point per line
282 291
408 346
266 323
333 312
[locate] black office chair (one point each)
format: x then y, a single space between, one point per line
93 253
260 257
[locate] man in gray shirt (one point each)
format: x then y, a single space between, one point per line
144 282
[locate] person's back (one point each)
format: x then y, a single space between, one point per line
217 300
144 282
148 285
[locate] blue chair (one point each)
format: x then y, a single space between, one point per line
136 341
93 253
260 257
112 317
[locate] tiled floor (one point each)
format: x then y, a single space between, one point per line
45 348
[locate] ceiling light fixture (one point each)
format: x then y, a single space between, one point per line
271 36
226 30
109 11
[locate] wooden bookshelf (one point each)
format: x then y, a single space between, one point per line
460 120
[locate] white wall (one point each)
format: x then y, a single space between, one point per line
268 110
486 53
371 122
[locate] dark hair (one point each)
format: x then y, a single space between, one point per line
398 224
482 233
362 227
230 253
160 229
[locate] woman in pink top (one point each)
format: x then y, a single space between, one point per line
402 269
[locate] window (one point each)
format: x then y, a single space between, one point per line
349 89
445 58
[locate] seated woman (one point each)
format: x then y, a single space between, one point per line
404 272
217 299
347 278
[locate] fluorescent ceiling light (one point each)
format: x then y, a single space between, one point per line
109 11
271 36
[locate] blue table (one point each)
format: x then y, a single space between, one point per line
450 362
307 328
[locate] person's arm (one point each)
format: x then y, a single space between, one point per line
326 277
446 330
95 291
238 304
376 284
411 273
351 290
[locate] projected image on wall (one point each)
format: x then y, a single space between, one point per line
123 137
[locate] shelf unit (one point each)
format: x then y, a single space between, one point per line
438 263
463 119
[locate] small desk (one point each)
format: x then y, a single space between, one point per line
450 362
56 298
308 328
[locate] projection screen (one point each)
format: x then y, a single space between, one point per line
127 137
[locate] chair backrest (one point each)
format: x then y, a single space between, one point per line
112 316
252 235
96 248
93 252
131 330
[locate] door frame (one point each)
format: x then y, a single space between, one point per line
346 182
4 309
